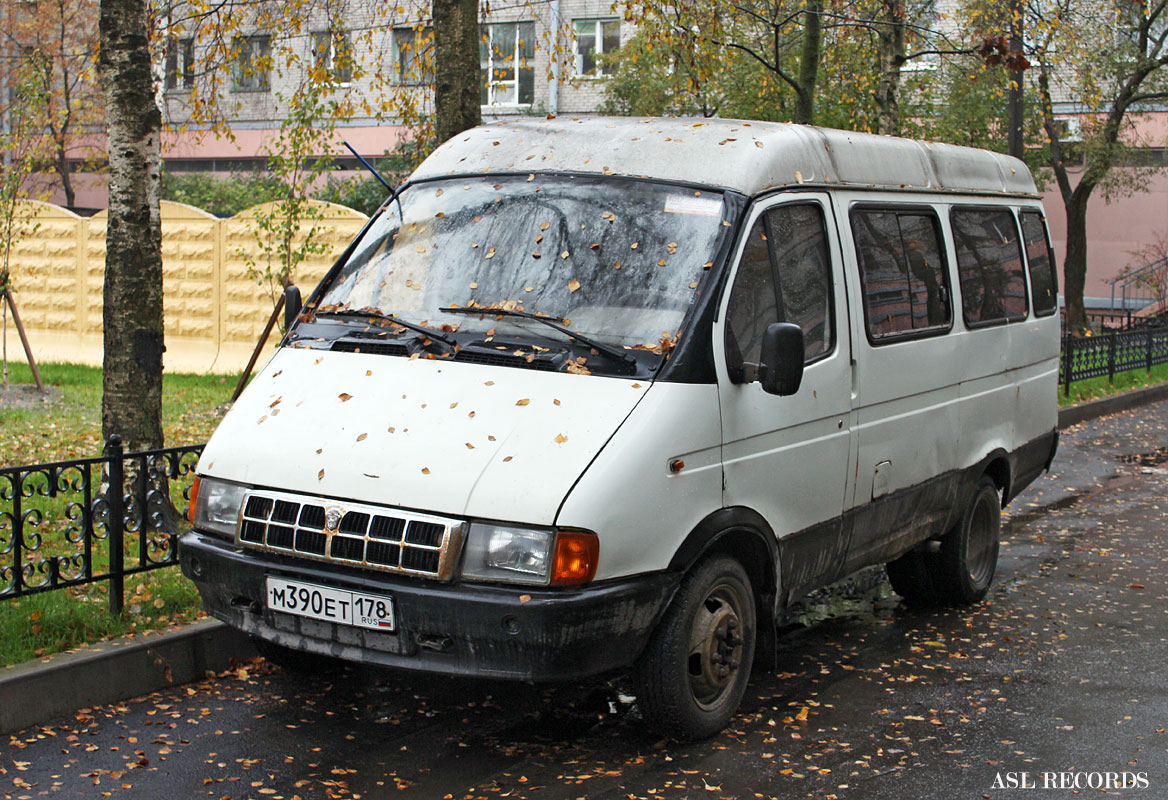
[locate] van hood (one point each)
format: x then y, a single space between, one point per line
458 439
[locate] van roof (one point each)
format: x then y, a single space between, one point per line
749 157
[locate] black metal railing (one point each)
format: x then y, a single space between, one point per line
76 522
1107 354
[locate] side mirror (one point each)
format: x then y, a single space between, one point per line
781 370
292 306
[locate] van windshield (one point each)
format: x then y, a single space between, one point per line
614 259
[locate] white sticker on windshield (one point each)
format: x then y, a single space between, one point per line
684 204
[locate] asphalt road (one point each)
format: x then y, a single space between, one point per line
1056 681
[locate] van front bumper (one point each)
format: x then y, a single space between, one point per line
514 632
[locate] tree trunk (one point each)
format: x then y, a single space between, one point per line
456 67
61 164
809 63
131 403
890 56
1075 264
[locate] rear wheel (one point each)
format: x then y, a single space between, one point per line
911 577
694 671
969 553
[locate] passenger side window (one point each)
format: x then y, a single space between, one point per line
989 263
902 268
1040 258
784 276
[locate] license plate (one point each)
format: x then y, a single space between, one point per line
330 604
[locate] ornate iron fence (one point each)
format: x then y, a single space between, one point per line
92 519
1095 356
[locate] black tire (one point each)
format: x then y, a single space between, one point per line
969 553
911 577
296 661
694 671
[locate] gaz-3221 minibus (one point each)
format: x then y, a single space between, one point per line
599 394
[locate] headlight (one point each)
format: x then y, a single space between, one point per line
215 505
512 554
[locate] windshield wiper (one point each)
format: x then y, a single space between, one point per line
600 347
413 326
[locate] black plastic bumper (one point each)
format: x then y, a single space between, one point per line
463 629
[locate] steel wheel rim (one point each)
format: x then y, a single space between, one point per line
980 550
715 645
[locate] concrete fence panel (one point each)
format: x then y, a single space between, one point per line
215 298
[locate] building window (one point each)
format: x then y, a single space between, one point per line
252 64
180 64
507 71
595 37
413 56
333 53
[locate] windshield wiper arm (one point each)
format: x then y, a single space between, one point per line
413 326
600 347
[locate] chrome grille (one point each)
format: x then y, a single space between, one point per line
355 534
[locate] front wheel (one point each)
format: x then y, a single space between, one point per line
695 668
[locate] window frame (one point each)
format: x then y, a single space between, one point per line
1020 212
179 72
416 56
248 45
915 209
739 253
1012 212
340 78
598 36
488 66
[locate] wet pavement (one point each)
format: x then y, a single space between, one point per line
1055 681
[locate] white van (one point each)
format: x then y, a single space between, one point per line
597 394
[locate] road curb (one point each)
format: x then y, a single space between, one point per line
1073 415
98 674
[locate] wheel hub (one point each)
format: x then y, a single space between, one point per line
716 651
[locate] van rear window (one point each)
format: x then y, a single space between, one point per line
1040 258
989 263
902 267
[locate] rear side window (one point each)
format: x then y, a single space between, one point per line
784 276
902 268
1040 258
989 263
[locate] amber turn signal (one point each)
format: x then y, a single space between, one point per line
575 558
194 498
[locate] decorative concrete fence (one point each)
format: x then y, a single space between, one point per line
213 312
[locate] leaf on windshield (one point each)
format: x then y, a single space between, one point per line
470 446
634 245
438 193
538 238
529 288
543 226
577 367
573 285
693 285
345 397
564 254
617 265
474 285
536 254
608 215
671 248
490 253
524 401
561 438
425 470
661 262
